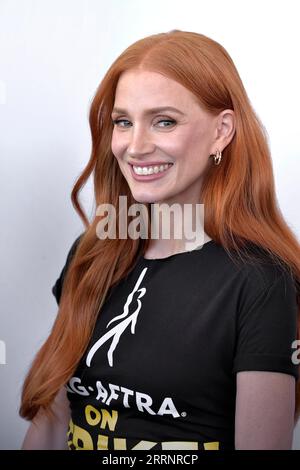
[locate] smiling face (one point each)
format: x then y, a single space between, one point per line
162 154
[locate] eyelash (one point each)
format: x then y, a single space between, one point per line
116 121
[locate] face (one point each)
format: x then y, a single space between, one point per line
162 154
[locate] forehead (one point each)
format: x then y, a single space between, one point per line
140 86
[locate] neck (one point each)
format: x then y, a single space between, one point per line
176 229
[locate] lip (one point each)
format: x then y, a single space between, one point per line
154 176
141 164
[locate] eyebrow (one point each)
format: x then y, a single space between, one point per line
150 111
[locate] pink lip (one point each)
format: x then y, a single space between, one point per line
148 163
154 176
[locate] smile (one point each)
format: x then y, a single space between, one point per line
150 172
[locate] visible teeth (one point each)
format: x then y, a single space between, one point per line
149 170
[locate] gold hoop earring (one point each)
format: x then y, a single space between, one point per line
217 157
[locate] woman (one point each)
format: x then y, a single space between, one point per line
158 344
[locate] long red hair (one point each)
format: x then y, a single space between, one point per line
238 196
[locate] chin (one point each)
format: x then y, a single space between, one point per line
146 195
142 199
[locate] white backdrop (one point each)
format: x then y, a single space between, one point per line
53 55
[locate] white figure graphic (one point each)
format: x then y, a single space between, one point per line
116 332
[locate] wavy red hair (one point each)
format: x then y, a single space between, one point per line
239 198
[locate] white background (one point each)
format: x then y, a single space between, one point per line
53 55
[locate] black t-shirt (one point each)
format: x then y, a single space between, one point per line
160 369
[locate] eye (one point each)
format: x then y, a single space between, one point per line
169 121
117 121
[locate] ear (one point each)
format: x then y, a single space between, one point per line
225 130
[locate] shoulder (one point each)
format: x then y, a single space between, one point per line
71 253
74 246
259 268
266 317
254 273
57 287
265 273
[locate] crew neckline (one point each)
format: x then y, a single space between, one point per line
188 252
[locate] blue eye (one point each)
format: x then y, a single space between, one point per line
117 121
167 120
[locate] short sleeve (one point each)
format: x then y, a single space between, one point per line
266 330
57 288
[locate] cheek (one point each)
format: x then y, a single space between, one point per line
174 146
116 146
198 143
118 153
187 148
113 146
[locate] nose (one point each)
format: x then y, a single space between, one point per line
140 142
